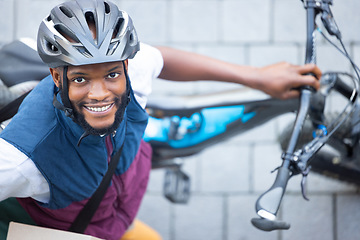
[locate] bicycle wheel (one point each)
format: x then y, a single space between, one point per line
335 160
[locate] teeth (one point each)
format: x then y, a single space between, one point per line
99 109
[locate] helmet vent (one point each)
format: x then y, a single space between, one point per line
66 33
66 11
118 27
51 47
107 8
112 48
84 51
90 19
48 18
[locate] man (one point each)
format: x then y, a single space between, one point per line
56 150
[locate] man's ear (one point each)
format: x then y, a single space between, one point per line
126 64
55 73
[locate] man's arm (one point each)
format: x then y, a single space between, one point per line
19 176
277 80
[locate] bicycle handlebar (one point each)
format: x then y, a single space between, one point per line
295 161
269 202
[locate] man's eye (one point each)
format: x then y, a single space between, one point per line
79 80
113 75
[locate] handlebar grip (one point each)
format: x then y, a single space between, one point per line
268 225
269 202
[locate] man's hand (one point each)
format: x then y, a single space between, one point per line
281 80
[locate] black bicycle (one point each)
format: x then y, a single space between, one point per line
185 126
340 131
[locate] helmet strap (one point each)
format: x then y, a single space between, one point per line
65 93
127 84
66 106
68 111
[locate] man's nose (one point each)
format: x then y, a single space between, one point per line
98 90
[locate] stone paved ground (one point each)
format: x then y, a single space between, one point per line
228 178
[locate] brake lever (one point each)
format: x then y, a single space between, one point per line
326 15
329 21
303 181
304 157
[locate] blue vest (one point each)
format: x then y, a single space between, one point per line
49 139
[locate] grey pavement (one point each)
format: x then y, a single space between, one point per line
228 178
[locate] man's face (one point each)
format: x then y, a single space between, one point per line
96 91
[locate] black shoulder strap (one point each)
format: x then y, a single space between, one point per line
84 217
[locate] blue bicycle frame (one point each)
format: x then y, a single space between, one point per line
179 131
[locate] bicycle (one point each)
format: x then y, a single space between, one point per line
184 126
299 153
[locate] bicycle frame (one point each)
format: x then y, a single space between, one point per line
216 122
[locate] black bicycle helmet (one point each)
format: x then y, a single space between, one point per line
65 37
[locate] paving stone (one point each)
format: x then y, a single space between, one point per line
163 87
156 180
264 55
32 12
309 219
356 53
202 218
229 53
348 216
7 21
151 28
240 211
347 19
246 21
267 157
319 183
225 168
289 21
194 21
329 59
155 211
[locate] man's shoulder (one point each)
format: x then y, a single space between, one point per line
35 119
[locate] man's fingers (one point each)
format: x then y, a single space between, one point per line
310 81
310 68
291 94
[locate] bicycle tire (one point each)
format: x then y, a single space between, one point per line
331 160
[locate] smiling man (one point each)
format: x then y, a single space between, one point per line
57 148
98 92
59 144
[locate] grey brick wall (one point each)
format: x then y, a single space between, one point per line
227 179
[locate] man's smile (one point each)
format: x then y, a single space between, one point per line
99 109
